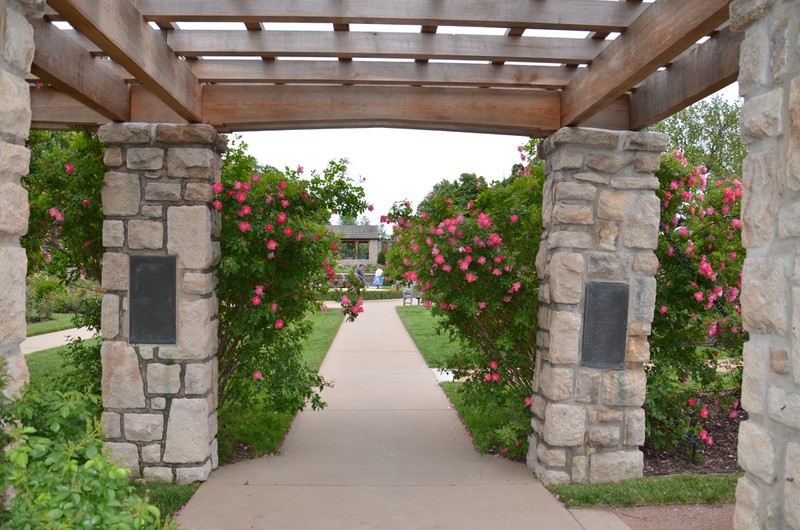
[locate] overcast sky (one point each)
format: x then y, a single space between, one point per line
396 163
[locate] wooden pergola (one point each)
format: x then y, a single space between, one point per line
461 65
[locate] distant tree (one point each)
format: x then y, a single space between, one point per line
459 193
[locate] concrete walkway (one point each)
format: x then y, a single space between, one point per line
387 452
52 340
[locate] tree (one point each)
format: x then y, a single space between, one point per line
458 194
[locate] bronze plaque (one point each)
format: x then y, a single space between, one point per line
153 301
605 325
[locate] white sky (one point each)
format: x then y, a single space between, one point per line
396 163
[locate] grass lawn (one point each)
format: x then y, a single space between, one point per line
168 498
434 346
325 327
59 322
46 366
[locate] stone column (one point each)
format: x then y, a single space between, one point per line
768 496
600 218
160 400
16 55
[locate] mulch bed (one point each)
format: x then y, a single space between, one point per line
718 458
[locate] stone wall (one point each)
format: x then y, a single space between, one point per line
160 400
16 55
600 218
768 496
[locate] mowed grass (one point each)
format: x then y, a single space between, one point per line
325 327
434 346
168 498
675 489
58 322
46 366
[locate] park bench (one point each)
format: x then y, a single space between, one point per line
409 293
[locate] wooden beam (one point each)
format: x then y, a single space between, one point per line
383 45
51 109
275 107
66 65
663 31
121 32
147 107
585 15
701 71
382 73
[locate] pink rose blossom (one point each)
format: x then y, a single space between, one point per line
258 375
259 290
69 168
244 226
495 377
281 218
282 185
663 309
278 324
493 365
217 187
513 218
256 300
272 244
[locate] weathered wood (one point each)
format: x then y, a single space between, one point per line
382 73
701 71
147 107
121 32
663 31
383 45
277 107
66 65
572 14
51 109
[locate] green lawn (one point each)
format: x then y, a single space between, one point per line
325 327
434 346
46 366
59 322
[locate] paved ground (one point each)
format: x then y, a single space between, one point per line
388 452
51 340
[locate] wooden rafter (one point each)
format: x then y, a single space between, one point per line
121 32
651 41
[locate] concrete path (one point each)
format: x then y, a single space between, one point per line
388 452
51 340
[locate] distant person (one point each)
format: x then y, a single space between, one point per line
378 281
360 274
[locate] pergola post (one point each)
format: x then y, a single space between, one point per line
159 313
597 266
16 55
768 496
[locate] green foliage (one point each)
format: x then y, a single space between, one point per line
57 322
460 193
57 465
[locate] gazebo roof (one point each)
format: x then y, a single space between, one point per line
361 232
431 64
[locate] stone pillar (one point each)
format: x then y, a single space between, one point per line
160 400
768 496
16 55
600 218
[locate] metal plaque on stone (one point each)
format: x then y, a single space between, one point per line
605 325
153 300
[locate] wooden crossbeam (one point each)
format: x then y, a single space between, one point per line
65 64
701 71
52 109
121 32
664 30
585 15
383 45
382 73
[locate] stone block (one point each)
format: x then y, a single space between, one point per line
565 333
762 117
14 160
550 477
190 475
591 177
748 502
567 239
109 317
13 271
791 494
604 436
566 277
756 451
585 136
637 350
607 235
198 283
580 469
605 266
647 163
551 457
195 133
126 454
639 329
115 271
573 214
197 380
162 191
157 474
15 112
158 403
644 299
574 191
145 352
626 388
607 162
188 439
112 425
192 163
214 454
124 133
754 384
641 228
197 331
189 236
605 415
113 234
152 211
556 383
793 154
780 38
147 158
113 157
614 205
765 291
760 198
564 425
784 407
198 192
121 194
779 361
645 141
538 405
144 427
151 454
634 427
16 369
646 263
18 45
587 387
13 208
614 466
565 158
122 383
163 378
642 182
145 235
789 221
